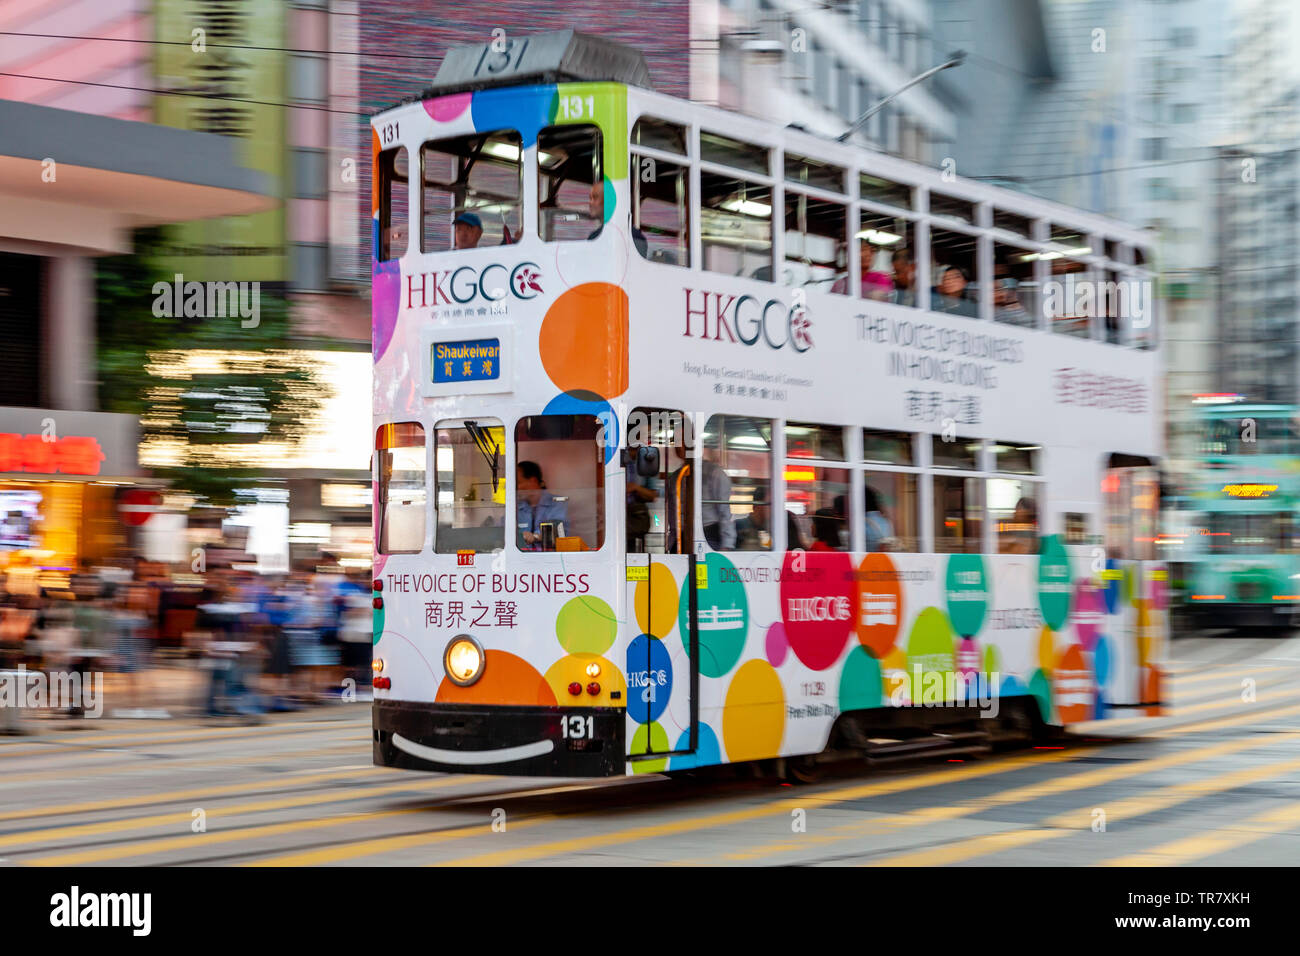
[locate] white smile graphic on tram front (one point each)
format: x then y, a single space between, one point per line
468 757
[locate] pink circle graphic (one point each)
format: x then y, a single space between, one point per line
1088 613
969 657
817 591
777 644
446 108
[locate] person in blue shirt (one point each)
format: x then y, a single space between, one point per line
535 506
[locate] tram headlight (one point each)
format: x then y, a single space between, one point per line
593 669
463 660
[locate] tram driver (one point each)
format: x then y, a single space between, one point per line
536 507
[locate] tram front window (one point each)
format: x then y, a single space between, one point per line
736 483
393 204
471 495
473 189
559 483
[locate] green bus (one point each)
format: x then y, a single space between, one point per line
1243 547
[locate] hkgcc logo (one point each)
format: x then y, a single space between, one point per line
745 320
467 284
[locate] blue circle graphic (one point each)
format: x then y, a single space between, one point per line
648 689
1101 660
567 403
1112 587
707 752
523 108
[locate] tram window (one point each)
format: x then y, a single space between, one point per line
736 226
958 514
570 184
952 208
559 483
896 524
1112 249
470 496
955 289
825 442
1013 509
1075 241
814 172
1015 290
818 498
394 202
885 244
1062 298
472 195
875 189
885 447
958 453
736 483
1010 222
1139 256
816 250
1131 497
1076 528
660 508
737 155
660 210
1015 458
1142 311
1113 303
659 134
400 466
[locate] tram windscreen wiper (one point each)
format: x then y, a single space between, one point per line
491 452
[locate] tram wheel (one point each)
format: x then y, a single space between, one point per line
803 770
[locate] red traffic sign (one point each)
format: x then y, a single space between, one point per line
138 505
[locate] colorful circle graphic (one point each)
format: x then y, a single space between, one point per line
649 677
930 654
861 686
967 593
723 615
507 679
878 604
1072 686
586 625
572 668
444 109
753 721
776 644
1089 613
707 750
655 601
817 594
584 338
1053 581
647 736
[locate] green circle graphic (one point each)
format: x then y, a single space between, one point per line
860 683
586 625
930 650
967 593
723 615
656 735
1054 587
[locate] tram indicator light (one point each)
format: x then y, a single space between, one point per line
575 688
377 584
593 688
377 603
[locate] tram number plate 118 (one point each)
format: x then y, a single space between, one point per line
578 727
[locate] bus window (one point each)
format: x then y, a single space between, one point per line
470 500
954 288
736 483
660 508
394 200
818 498
400 466
1015 290
473 188
888 267
570 184
816 250
1060 304
892 511
661 210
559 483
735 226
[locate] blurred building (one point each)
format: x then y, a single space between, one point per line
73 186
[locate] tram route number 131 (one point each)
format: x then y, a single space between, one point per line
578 727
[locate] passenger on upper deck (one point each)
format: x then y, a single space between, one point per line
536 507
950 294
597 212
904 278
469 230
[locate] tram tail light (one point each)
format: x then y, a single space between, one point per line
575 688
593 688
377 584
378 604
383 683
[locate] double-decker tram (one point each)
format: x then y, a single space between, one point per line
701 440
1243 542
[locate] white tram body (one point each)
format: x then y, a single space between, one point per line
874 498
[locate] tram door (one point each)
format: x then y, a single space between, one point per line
663 653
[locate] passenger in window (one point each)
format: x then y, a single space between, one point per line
950 293
751 528
537 507
826 530
638 514
596 209
880 533
1020 535
794 540
715 491
877 282
904 278
1006 303
469 230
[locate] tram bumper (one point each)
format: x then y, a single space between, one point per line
519 741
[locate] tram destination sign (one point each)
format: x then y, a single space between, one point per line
477 360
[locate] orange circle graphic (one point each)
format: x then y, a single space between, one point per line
583 341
